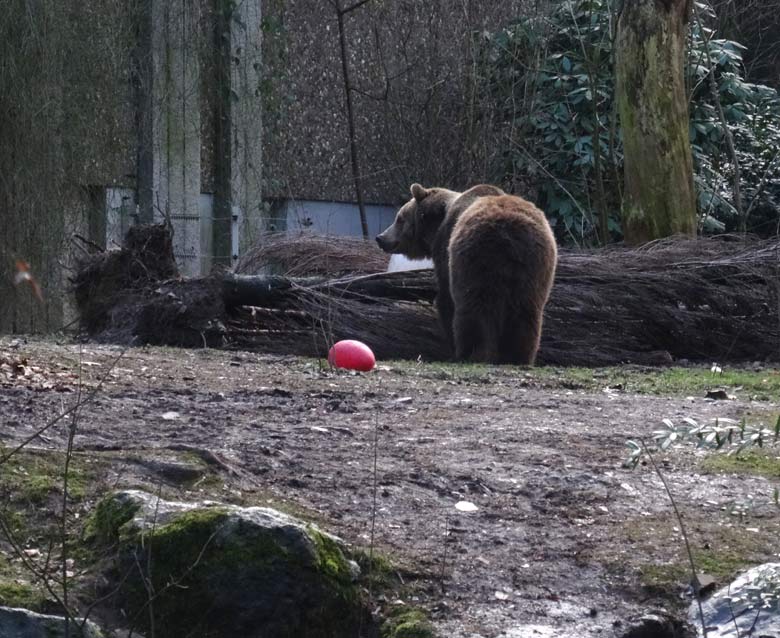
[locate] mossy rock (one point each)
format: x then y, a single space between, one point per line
222 570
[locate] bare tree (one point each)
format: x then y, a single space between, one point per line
341 13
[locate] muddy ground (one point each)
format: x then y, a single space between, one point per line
564 541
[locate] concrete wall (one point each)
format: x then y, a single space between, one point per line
329 218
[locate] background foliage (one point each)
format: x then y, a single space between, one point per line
550 79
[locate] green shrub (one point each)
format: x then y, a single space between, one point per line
549 86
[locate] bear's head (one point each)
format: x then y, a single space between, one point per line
415 226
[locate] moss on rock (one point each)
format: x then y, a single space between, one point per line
111 514
228 571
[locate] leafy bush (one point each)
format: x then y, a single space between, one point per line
551 81
550 84
752 113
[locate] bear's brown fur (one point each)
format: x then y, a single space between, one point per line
494 256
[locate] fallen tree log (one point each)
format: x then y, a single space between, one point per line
263 290
698 300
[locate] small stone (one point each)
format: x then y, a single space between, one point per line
465 506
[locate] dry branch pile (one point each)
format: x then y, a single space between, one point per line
302 254
707 299
135 295
702 300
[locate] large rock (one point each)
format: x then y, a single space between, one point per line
218 571
731 612
21 623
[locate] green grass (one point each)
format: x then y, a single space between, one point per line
751 462
668 578
407 622
720 551
764 385
15 591
695 381
14 594
34 477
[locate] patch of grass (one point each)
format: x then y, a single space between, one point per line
663 579
21 595
377 571
15 592
764 385
723 564
407 622
380 576
751 462
696 381
719 550
14 520
33 477
667 579
468 372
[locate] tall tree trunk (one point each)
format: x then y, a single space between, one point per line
659 198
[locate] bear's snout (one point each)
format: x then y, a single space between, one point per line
383 243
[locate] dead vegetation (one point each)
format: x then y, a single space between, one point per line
699 300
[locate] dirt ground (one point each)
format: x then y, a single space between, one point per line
564 541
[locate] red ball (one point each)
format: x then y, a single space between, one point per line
352 355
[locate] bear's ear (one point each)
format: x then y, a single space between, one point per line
418 192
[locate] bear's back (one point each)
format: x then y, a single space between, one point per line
505 215
465 200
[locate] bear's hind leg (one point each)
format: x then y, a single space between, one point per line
467 334
475 338
520 340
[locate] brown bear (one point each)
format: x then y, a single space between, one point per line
494 256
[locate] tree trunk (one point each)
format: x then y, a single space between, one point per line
262 290
659 197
